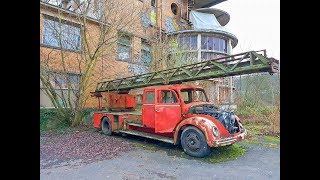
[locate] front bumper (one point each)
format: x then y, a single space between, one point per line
228 141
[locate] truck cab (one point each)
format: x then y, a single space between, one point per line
177 114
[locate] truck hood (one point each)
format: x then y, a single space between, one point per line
228 118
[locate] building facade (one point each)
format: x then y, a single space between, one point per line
192 29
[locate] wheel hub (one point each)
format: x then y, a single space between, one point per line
193 142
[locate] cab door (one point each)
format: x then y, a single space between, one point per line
167 111
148 107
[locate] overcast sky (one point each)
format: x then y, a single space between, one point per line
256 23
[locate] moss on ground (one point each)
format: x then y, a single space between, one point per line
217 155
225 153
272 139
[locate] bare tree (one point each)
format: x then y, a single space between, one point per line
82 33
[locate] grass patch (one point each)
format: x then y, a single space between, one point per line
272 139
261 141
254 129
217 155
225 153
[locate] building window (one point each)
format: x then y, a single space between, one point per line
188 42
213 43
146 55
95 8
124 48
61 35
60 80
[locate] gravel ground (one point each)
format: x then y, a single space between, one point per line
259 162
91 155
84 146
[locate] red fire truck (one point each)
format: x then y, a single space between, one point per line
176 113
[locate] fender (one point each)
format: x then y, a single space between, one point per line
97 118
204 124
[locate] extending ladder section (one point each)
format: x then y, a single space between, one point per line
243 63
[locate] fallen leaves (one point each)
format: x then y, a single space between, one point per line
86 145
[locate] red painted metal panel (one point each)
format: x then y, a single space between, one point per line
167 117
130 101
167 113
204 124
148 108
148 115
119 101
97 119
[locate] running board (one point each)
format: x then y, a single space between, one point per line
148 135
135 124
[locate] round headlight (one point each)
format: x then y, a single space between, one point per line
215 131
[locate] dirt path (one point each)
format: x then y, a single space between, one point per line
259 162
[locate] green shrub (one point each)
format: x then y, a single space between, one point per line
87 116
51 119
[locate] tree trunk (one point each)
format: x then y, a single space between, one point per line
77 118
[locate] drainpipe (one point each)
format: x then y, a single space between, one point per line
160 24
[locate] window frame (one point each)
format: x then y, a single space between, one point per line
215 42
160 99
146 95
143 41
73 25
123 44
54 75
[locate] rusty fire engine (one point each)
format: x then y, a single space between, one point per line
177 113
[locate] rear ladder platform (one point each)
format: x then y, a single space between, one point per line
148 135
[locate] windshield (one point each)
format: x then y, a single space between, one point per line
193 95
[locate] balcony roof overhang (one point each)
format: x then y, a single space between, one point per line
206 3
222 16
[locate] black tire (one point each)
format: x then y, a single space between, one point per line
106 126
194 143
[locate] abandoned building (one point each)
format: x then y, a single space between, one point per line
193 30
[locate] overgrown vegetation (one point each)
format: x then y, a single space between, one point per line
258 101
50 119
220 154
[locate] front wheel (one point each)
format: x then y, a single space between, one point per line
194 143
106 126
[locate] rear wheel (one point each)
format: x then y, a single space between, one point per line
194 143
106 126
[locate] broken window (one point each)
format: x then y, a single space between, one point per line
146 56
188 42
124 48
62 80
213 43
62 34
